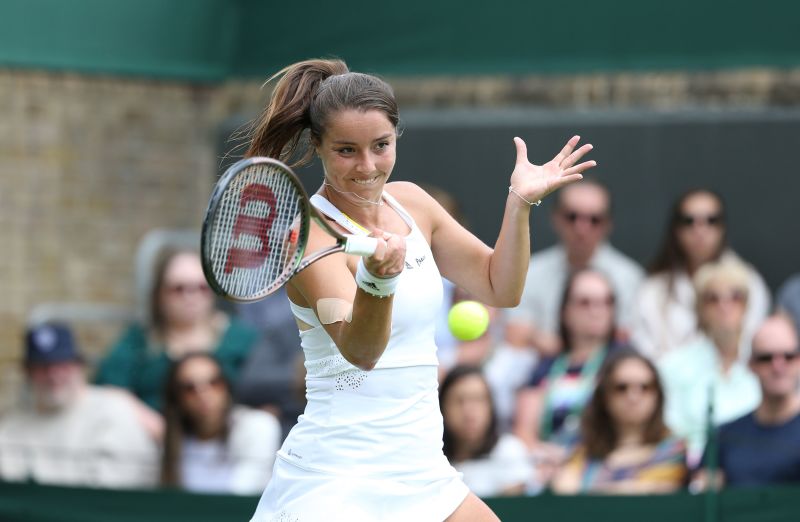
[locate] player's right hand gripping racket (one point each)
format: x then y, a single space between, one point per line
256 228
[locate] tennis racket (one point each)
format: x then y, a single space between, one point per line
256 229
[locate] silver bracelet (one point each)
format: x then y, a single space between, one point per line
530 203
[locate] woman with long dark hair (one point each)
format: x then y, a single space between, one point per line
664 315
211 445
625 447
492 464
549 406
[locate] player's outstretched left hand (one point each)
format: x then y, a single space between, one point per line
534 182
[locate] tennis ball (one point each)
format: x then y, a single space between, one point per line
468 320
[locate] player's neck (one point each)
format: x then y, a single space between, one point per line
777 410
365 214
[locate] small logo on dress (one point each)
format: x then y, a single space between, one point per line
419 260
293 454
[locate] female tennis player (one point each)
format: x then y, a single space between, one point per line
369 444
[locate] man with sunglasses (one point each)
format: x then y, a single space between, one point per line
763 447
67 432
582 220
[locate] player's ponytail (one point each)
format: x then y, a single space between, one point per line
278 130
306 94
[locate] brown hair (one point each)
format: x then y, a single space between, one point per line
598 430
305 96
178 424
563 330
492 434
671 257
165 257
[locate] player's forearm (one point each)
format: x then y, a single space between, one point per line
508 265
363 340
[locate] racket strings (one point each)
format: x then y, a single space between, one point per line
258 223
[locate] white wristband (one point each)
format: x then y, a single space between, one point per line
374 285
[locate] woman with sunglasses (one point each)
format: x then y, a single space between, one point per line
708 381
548 409
664 312
625 446
210 445
183 319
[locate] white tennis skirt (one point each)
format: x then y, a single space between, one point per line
295 494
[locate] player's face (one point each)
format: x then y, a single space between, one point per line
467 408
358 153
185 295
775 359
589 311
582 220
722 307
701 229
632 394
203 394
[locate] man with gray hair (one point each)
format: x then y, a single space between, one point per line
67 432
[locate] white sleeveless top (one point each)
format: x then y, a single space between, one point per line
386 421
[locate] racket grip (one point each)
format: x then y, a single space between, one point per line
361 245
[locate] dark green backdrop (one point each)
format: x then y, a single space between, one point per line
210 40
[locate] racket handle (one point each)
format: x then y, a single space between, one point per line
363 246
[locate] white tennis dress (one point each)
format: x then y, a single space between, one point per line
369 445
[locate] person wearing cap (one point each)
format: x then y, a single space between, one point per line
65 431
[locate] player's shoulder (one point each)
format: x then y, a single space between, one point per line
407 192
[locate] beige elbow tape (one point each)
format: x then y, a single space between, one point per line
332 310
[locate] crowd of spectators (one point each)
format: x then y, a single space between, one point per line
605 379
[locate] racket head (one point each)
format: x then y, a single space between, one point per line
255 229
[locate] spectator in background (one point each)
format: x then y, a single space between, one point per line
212 446
788 300
67 432
272 378
664 315
183 319
763 447
582 221
711 370
492 464
549 407
625 446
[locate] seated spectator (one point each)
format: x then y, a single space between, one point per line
212 446
763 447
788 300
549 407
664 315
183 319
492 464
582 220
273 377
67 432
625 446
711 372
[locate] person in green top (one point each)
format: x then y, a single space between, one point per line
183 319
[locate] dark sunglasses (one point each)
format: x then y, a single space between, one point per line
715 298
194 387
763 358
622 388
712 220
592 302
188 288
593 219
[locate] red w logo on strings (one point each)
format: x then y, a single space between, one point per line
252 226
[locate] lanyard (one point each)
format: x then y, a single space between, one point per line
557 372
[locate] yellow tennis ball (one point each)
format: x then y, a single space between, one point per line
468 320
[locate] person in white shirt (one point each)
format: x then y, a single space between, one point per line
582 221
210 445
67 432
664 315
708 382
492 463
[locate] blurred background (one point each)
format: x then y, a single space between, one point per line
117 116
